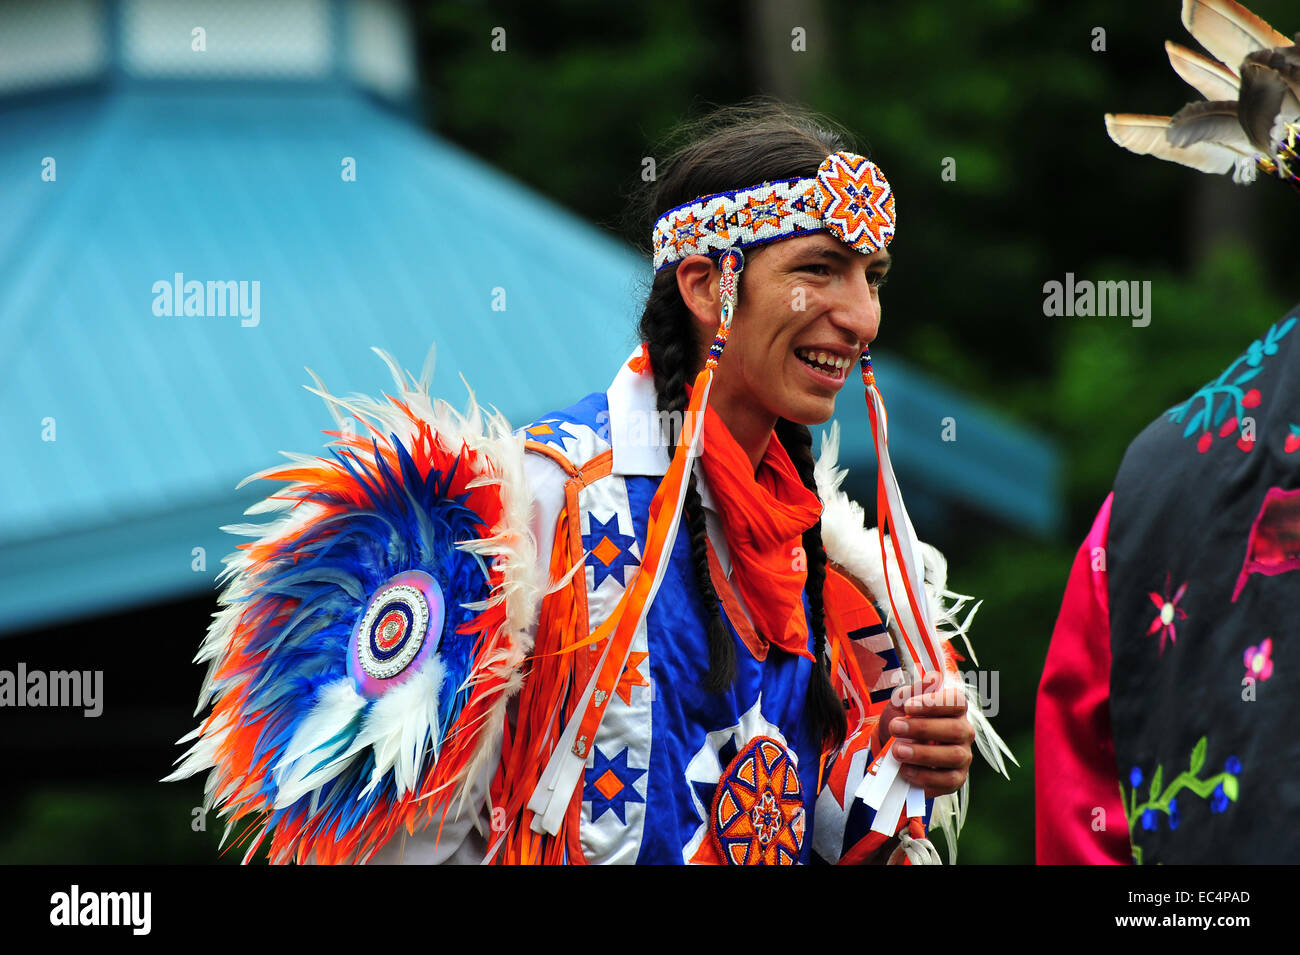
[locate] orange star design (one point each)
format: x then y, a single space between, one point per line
717 220
764 210
686 232
758 815
631 676
855 203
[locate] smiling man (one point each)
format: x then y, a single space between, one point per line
725 730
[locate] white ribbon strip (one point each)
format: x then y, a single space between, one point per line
873 787
885 791
891 808
888 793
907 543
915 801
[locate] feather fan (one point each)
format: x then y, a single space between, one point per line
1251 118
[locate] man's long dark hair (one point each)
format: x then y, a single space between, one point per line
729 149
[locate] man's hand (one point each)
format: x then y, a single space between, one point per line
933 736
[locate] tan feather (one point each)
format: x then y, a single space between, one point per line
1208 77
1286 64
1270 86
1228 30
1262 92
1146 136
1214 122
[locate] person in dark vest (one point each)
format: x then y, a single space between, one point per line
1166 717
1166 721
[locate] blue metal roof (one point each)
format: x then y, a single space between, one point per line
157 418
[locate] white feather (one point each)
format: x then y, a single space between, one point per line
1228 30
319 749
399 725
1146 135
1208 77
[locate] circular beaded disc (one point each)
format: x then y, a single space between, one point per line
758 810
399 629
856 202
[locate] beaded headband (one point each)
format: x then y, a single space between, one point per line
849 197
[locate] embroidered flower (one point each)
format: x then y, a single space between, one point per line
1169 613
1220 789
1228 398
1259 660
1219 802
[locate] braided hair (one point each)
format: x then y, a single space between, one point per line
730 148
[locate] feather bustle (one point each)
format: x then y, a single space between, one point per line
285 771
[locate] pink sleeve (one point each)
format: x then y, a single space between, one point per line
1074 753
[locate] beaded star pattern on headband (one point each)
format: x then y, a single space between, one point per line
849 197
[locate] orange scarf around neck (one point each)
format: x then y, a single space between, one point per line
764 515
